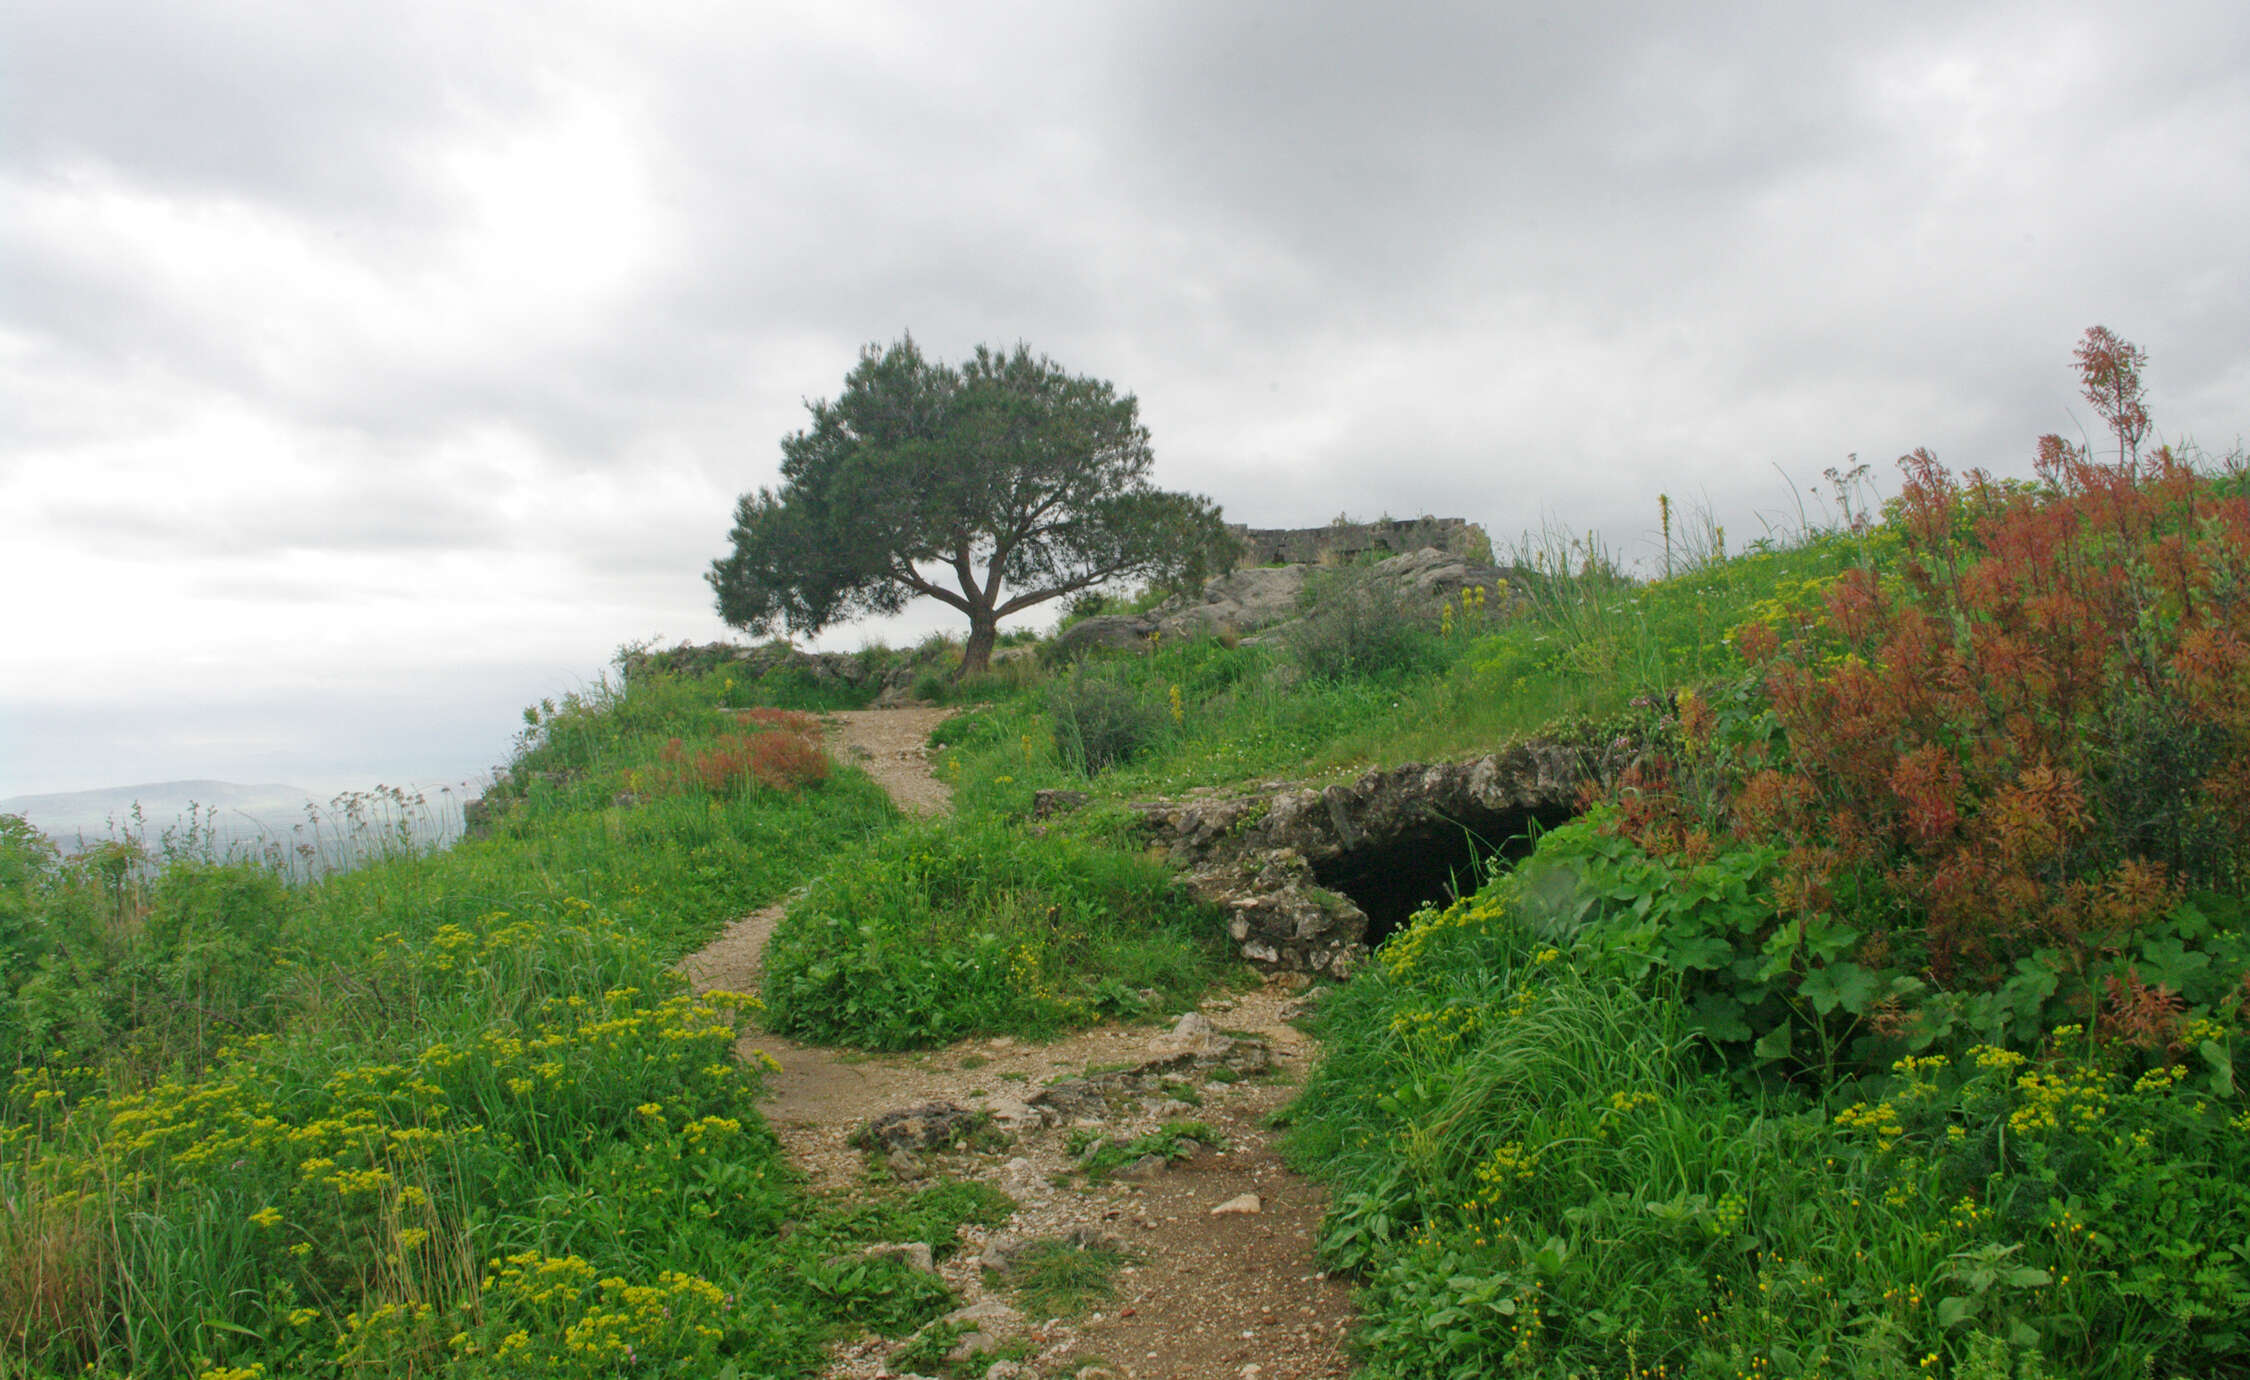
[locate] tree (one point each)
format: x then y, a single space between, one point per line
1006 473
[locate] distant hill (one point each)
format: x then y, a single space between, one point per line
239 813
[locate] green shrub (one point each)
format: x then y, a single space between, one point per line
1357 625
2055 1206
1100 722
943 930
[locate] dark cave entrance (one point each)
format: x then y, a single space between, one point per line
1432 861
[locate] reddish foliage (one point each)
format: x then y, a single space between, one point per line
2141 1014
782 757
1986 731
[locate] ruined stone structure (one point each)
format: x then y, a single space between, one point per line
1340 542
1311 879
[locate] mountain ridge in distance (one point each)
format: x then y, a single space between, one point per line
65 816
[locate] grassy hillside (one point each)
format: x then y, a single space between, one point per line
448 1111
1882 1019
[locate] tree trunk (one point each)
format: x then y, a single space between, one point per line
984 631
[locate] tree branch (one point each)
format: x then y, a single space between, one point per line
906 575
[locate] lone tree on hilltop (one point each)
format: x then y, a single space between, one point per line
1003 473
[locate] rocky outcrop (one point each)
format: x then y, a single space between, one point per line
1311 877
1262 602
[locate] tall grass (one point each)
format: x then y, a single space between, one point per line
439 1111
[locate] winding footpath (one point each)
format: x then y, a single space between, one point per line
1232 1296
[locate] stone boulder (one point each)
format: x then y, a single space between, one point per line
1115 631
931 1126
1262 601
1241 601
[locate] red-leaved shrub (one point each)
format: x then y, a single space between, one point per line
783 755
2032 731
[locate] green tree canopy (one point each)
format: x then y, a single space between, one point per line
992 487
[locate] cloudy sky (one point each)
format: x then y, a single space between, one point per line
368 371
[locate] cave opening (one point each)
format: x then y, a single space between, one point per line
1430 862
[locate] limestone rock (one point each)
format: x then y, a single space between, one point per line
931 1126
1145 1168
988 1320
915 1255
1192 1034
1285 861
1110 630
1242 601
1240 1205
1046 804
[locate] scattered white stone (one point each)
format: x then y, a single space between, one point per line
1021 1180
1011 1114
1193 1034
993 1312
1240 1206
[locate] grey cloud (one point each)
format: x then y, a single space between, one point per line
1514 262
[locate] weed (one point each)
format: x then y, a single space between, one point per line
1099 722
1355 625
1061 1279
1175 1140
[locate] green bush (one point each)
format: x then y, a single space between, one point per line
1355 624
1100 722
2055 1206
944 930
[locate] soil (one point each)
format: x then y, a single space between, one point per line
1237 1295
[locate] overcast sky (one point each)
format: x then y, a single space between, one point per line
368 371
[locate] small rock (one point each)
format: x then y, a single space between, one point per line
1192 1034
1049 803
1021 1180
1145 1168
994 1313
914 1254
1240 1205
1012 1114
907 1168
1008 1370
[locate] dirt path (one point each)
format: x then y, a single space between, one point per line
1235 1295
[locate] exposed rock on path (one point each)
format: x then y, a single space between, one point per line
1206 1296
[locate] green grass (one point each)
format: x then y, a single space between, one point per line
1061 1279
946 929
441 1112
454 1112
1535 1171
1175 1140
1568 657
